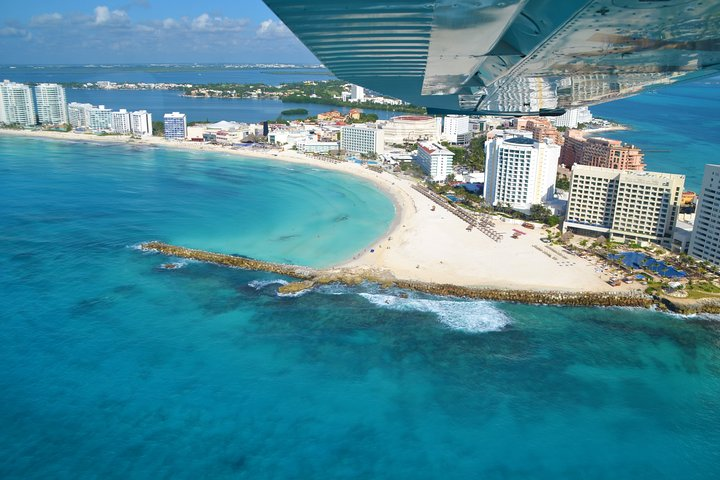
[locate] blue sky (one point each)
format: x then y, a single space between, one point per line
145 31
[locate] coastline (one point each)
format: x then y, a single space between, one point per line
422 244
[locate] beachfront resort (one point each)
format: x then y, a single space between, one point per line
525 204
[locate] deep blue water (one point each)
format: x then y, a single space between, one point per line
159 102
677 127
111 367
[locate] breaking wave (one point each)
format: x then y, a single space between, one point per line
259 284
464 315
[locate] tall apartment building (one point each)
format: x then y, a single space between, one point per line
51 104
435 160
600 152
141 123
362 139
121 122
456 129
625 205
357 93
16 104
79 114
520 171
705 239
175 126
101 119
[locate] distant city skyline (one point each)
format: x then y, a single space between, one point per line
146 31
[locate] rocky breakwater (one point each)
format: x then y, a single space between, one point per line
686 306
309 278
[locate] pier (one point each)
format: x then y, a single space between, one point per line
310 277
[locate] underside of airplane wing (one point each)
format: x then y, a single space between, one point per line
508 57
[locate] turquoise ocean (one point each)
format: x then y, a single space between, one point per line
677 127
113 367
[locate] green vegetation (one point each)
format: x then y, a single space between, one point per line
364 118
538 213
326 92
158 127
562 182
294 111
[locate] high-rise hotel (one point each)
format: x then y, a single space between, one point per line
51 104
624 205
705 240
16 104
519 171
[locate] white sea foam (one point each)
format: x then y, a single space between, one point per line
467 316
258 284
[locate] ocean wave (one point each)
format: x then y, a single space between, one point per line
464 315
259 284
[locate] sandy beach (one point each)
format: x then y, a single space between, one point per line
426 244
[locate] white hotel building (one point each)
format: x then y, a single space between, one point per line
121 122
101 119
362 139
141 123
519 171
456 129
705 240
51 104
79 114
16 104
625 205
435 160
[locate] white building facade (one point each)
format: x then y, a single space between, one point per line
519 171
456 129
141 123
705 240
627 205
79 114
175 126
101 119
572 117
16 104
362 139
51 104
121 122
435 160
357 93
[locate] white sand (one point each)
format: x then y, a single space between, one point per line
426 245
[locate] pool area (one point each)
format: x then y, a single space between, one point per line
643 261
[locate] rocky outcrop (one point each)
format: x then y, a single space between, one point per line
310 277
686 306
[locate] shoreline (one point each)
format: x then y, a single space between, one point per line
424 244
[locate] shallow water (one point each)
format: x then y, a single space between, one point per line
112 367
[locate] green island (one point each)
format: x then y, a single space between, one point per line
328 92
294 111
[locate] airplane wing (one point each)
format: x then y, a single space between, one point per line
508 57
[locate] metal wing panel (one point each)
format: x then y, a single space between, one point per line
509 57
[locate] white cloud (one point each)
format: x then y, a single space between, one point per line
206 23
272 29
170 23
46 19
15 32
103 15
